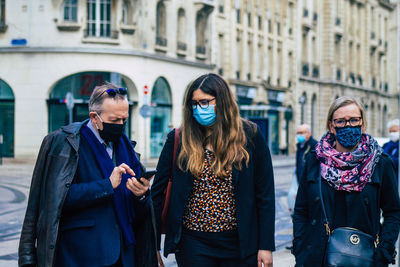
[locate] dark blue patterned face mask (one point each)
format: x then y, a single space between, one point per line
348 136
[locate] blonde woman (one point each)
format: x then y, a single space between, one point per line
347 182
222 208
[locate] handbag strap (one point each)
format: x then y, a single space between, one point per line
326 222
176 144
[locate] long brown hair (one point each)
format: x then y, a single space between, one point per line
228 138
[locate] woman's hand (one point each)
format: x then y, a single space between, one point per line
160 261
264 257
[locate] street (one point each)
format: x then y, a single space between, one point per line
14 189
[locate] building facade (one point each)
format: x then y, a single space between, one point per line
286 61
53 48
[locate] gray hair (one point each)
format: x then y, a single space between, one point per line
306 126
395 122
98 95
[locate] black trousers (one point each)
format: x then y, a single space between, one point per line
203 249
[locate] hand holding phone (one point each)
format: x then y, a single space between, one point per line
147 175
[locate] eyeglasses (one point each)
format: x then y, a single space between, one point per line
355 121
204 103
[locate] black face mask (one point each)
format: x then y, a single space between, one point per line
112 132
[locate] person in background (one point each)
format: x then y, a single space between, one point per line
305 144
357 183
392 147
222 205
85 201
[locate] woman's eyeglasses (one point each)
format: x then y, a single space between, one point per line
203 104
355 121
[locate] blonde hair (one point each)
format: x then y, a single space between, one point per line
345 101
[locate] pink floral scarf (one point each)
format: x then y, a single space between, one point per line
348 171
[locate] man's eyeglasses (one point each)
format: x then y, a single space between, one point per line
204 103
355 121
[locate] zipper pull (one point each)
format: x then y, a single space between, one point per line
327 229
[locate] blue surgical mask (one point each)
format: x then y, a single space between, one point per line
300 138
205 117
348 136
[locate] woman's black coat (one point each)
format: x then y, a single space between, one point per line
381 193
254 197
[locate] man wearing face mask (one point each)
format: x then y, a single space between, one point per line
85 201
305 144
392 147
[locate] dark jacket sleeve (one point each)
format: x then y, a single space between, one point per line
27 242
264 193
161 181
82 195
390 206
300 212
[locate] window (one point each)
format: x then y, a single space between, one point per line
161 23
2 12
221 6
237 5
70 10
99 18
182 30
125 11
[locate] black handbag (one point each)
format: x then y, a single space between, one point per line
348 247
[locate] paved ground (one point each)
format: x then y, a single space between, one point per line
14 189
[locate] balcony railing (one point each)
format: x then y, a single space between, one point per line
161 41
91 33
182 46
201 50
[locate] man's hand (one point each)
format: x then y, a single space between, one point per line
160 261
264 257
136 187
116 175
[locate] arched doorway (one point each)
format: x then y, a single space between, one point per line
81 86
6 120
161 115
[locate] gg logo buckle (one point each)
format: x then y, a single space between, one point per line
354 239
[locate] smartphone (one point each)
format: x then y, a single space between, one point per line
147 175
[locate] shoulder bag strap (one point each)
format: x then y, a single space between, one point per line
326 222
176 144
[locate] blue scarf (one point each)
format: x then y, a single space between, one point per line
123 197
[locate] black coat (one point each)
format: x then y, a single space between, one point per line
301 155
254 197
54 172
380 194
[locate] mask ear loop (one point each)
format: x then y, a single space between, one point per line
100 120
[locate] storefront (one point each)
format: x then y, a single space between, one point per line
6 120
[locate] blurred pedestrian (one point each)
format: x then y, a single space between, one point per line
305 144
222 207
392 147
346 183
85 204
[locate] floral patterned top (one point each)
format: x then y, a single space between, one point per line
211 206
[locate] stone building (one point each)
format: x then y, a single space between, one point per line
49 48
286 60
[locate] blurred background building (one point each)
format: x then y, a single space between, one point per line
286 61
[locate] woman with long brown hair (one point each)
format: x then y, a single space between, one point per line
222 204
